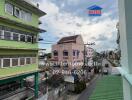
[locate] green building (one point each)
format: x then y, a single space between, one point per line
19 21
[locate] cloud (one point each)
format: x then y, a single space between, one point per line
68 17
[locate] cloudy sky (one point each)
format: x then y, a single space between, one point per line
69 17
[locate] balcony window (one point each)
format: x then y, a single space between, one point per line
33 60
14 61
7 35
65 53
29 39
25 15
22 61
6 62
9 8
28 61
55 53
22 38
1 34
0 63
15 36
17 12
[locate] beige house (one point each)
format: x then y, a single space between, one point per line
68 52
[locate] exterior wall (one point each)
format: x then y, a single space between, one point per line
125 24
34 21
17 48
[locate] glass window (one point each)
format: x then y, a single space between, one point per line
15 36
28 17
74 53
65 53
9 8
23 15
55 53
17 12
28 61
22 61
22 38
14 62
0 34
0 63
6 62
7 35
29 38
34 60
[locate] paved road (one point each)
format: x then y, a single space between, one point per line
89 90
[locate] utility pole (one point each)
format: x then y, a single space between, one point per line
84 54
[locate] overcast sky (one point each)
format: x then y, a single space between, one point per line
69 17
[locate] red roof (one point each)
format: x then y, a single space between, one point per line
69 39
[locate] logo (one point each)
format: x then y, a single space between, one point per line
94 10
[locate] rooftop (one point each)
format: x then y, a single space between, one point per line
69 39
108 88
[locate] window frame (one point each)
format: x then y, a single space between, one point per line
9 37
26 60
11 13
3 63
17 62
27 38
20 61
24 36
13 36
15 11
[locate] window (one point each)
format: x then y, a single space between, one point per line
7 35
33 60
15 36
9 8
14 61
29 39
26 16
28 61
22 38
23 15
65 53
22 61
6 62
74 53
55 53
0 63
17 12
1 34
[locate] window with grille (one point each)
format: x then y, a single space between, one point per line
15 36
29 39
0 63
22 38
33 60
9 8
17 12
1 34
65 53
28 61
14 61
6 62
7 35
22 61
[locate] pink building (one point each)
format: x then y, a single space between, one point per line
69 51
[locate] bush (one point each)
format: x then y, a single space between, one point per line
80 86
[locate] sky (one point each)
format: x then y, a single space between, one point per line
70 17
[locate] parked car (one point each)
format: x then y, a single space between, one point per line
105 71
